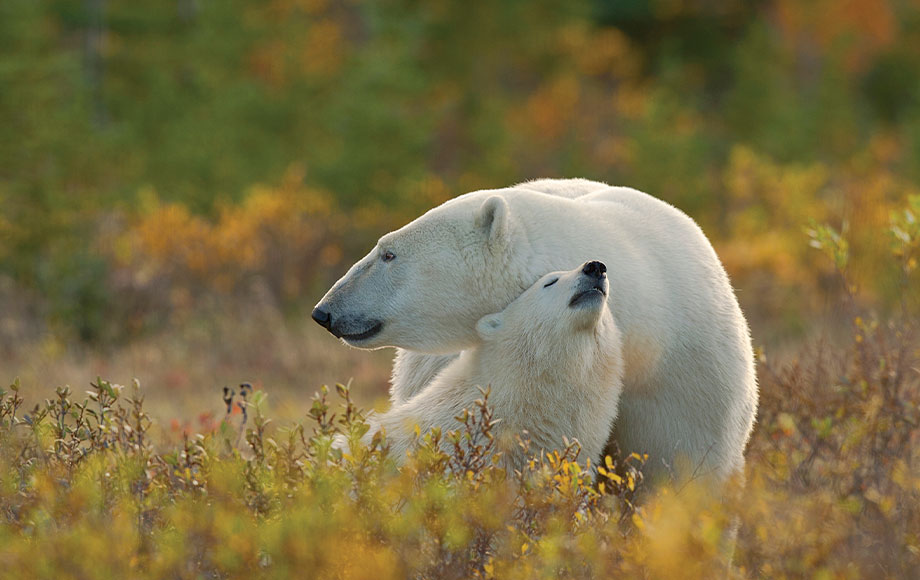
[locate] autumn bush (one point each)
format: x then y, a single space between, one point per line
837 436
284 242
89 491
164 258
91 487
88 487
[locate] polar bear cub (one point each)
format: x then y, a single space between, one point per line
553 361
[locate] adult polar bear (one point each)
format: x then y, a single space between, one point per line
689 390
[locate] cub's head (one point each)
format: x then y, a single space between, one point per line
560 313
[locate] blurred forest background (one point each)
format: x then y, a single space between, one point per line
181 181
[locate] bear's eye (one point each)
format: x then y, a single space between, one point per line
388 256
548 284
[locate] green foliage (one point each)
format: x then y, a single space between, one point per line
892 86
905 233
832 243
392 107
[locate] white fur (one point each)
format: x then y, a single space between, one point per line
690 394
554 370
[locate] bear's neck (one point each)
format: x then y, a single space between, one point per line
529 366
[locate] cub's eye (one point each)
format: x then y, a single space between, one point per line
548 284
388 256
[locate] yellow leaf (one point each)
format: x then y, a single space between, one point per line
638 521
786 423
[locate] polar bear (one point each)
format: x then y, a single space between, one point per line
552 359
689 387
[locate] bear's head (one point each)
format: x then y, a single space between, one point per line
424 286
559 314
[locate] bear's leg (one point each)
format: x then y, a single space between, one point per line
412 371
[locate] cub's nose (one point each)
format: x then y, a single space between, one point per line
322 317
594 269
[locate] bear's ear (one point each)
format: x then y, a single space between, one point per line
493 218
488 325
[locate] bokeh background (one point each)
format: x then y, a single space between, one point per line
181 181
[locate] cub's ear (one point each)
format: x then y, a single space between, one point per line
492 218
489 325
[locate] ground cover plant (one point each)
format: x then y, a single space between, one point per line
833 485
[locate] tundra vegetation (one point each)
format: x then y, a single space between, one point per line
88 490
179 184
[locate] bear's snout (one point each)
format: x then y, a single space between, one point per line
594 269
350 328
591 284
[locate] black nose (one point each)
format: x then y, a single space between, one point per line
322 317
594 269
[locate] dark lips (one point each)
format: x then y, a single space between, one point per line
582 296
363 335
